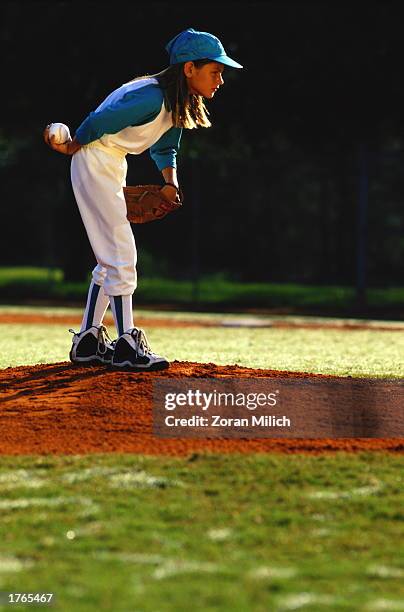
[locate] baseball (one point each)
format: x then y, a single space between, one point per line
60 131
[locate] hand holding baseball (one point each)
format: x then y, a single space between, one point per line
57 137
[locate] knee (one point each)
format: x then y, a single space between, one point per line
121 281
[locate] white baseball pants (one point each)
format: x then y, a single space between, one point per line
98 174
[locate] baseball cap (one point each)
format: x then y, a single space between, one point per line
192 45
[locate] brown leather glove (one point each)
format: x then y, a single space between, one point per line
146 203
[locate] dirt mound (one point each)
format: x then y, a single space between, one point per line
65 409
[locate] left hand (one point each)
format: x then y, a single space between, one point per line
170 192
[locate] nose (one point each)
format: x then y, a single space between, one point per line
221 81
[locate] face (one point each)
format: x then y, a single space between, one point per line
205 80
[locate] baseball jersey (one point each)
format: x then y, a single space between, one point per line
133 118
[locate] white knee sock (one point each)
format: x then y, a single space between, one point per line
121 306
97 304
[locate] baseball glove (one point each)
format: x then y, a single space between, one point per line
146 203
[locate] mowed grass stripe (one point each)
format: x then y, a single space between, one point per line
225 532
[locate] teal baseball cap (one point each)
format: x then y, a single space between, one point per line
192 45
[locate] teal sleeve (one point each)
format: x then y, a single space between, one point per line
134 108
164 151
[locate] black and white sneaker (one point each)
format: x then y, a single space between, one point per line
133 351
92 346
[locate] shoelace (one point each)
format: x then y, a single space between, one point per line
142 342
103 337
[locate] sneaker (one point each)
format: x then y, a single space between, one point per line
133 351
92 346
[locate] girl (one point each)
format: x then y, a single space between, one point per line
146 113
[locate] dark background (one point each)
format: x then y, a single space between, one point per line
300 178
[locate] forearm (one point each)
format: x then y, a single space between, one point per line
73 146
170 175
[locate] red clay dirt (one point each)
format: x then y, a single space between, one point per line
65 409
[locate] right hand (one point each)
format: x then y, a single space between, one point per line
67 148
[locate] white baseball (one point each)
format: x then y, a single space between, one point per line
60 131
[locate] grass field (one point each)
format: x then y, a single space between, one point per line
324 351
236 533
215 533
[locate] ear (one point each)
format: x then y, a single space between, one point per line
189 68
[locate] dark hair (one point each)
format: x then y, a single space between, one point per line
189 110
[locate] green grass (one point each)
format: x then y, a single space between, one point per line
324 351
42 283
209 532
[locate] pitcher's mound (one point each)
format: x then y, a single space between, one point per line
65 409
